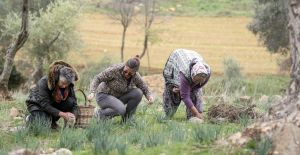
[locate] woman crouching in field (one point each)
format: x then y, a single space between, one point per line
185 74
54 96
119 89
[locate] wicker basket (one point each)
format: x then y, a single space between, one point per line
86 113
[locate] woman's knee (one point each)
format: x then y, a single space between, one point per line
137 93
121 110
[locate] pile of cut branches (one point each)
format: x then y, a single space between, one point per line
231 113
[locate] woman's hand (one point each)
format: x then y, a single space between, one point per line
199 115
91 97
196 113
175 90
150 99
67 116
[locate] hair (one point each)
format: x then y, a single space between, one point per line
68 73
134 63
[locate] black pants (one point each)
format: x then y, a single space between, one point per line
124 106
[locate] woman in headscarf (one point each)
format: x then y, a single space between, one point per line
119 89
54 96
185 74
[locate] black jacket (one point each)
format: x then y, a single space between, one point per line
41 98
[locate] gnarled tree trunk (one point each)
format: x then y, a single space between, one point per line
290 103
294 35
11 53
282 123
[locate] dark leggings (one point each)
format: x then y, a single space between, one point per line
124 106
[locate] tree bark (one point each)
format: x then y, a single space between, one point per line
282 122
294 33
290 102
145 45
148 59
123 43
11 52
149 18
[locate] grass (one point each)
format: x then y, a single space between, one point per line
209 7
215 38
149 133
193 7
260 147
71 139
206 134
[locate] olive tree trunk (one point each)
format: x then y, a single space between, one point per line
11 53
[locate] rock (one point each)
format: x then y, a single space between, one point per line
14 112
287 140
47 151
22 152
196 120
61 151
237 139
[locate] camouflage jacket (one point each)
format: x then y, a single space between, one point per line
112 81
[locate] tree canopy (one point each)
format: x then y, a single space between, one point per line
270 24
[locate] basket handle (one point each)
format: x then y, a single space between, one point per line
84 95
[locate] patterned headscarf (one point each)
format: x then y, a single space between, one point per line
200 68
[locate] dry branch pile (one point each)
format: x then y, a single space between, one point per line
230 112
